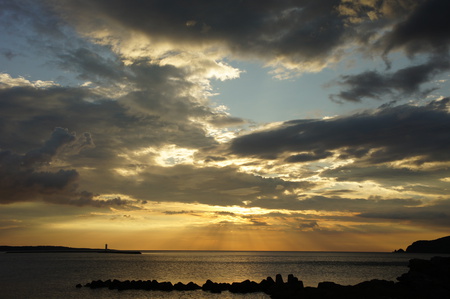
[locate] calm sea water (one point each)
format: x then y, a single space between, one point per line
45 275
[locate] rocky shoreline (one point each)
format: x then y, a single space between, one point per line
425 279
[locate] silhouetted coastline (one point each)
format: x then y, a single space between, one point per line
60 249
425 279
437 246
441 245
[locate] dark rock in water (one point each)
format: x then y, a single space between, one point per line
186 287
270 280
279 279
244 287
266 284
214 287
441 245
293 282
78 286
165 286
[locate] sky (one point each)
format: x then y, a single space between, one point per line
224 125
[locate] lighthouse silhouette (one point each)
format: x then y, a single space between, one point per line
106 247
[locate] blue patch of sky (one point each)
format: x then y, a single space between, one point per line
259 97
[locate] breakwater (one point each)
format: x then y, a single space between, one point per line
425 279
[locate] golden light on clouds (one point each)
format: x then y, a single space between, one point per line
120 124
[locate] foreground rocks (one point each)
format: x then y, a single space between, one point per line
425 279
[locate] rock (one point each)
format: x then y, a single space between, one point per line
215 287
192 286
279 279
165 286
188 287
292 279
244 287
266 284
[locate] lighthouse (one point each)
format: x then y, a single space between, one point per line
106 247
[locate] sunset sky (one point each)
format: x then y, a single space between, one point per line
224 124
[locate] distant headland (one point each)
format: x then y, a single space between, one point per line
61 249
441 245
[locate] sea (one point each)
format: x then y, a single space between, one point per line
55 275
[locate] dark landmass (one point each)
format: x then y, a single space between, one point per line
425 279
60 249
441 245
399 251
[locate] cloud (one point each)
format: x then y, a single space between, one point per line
421 29
126 138
21 179
334 204
403 82
91 65
434 214
141 76
291 37
118 132
384 135
223 186
309 157
305 35
6 81
25 178
424 30
307 225
390 176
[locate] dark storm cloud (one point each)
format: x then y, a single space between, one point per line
304 34
387 134
404 82
309 157
21 179
293 30
426 29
